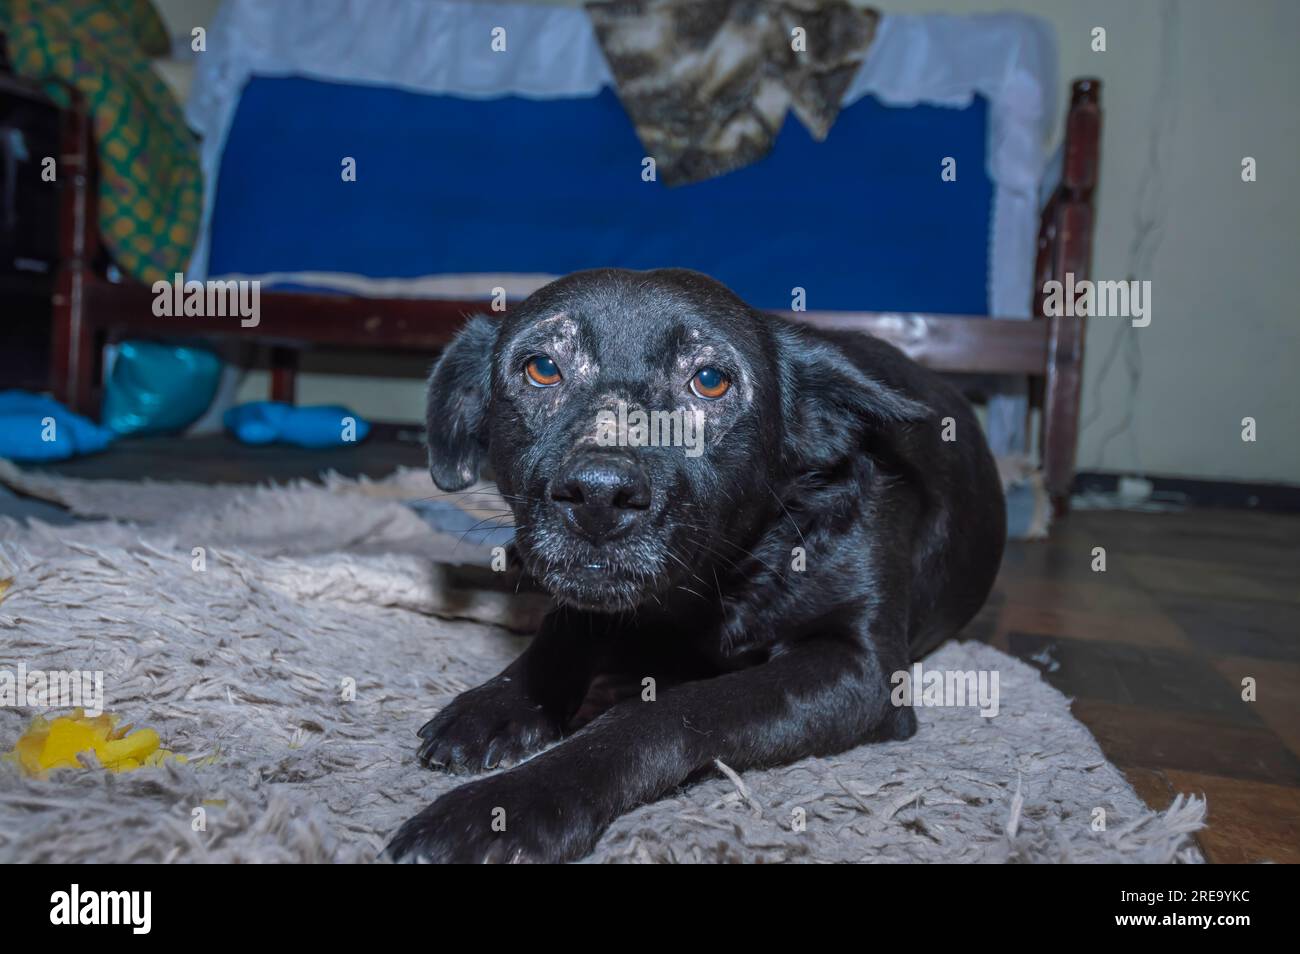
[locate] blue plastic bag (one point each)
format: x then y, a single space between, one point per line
322 425
159 388
37 428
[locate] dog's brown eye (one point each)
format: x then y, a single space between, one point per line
710 383
542 372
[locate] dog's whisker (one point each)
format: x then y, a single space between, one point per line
479 527
781 503
683 564
683 586
495 494
733 564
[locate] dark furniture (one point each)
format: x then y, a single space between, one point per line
91 311
29 230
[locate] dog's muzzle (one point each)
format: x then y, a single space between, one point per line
601 495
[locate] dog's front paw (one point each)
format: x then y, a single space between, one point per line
493 726
510 818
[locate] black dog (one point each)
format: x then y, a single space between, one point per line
753 594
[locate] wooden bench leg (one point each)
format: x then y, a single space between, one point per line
75 357
1060 422
284 374
76 352
65 352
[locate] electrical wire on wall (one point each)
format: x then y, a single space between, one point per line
1150 216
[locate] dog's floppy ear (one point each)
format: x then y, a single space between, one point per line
456 413
832 407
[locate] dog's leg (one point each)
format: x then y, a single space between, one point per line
519 711
814 698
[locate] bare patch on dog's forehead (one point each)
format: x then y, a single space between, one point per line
691 358
606 403
569 325
560 336
560 330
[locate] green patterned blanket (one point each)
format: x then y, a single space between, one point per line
150 185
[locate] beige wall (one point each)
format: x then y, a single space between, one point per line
1224 339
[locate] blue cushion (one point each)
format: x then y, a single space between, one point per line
452 185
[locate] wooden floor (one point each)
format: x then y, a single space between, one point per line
1153 650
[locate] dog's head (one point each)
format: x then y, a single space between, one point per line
639 424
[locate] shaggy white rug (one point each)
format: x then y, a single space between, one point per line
309 588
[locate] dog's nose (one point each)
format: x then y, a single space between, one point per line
601 494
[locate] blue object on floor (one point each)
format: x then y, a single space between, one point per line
159 388
37 428
323 425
